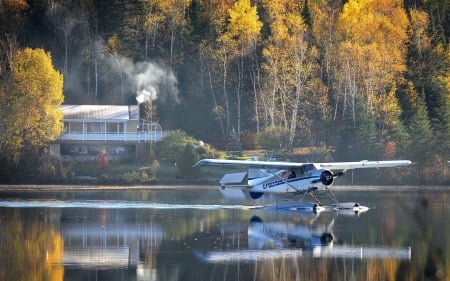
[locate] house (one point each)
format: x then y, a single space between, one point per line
113 129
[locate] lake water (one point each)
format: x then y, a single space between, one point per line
198 235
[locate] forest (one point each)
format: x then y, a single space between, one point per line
365 79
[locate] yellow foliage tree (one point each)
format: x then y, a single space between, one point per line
174 12
372 51
244 26
237 38
324 16
30 108
290 65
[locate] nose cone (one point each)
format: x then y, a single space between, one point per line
326 177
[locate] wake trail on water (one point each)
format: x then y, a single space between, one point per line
105 204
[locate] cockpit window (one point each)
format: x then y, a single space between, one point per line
307 168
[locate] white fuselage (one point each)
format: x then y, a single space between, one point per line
277 183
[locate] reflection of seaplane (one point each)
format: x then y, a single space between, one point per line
289 178
279 239
286 235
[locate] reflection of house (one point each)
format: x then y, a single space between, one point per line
112 243
89 129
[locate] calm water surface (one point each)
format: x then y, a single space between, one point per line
199 235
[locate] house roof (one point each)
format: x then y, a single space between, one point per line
100 112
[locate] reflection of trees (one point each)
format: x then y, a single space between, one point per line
327 269
430 230
32 246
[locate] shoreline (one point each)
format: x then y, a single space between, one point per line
57 188
47 187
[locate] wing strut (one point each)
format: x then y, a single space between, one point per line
285 180
323 196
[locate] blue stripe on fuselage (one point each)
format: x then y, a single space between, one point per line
273 184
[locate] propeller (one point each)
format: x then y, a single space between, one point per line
327 177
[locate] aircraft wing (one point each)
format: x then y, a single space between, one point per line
288 165
248 164
363 164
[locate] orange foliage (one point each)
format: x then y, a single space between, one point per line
389 150
102 160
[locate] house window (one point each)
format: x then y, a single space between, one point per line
82 149
74 127
95 127
117 128
111 128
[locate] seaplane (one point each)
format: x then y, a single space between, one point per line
293 179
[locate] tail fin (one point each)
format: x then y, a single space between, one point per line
234 179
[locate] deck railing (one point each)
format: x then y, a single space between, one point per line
149 131
117 137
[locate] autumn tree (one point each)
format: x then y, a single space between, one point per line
390 120
290 66
165 19
210 71
371 61
13 16
372 51
63 17
324 15
237 27
113 47
92 48
240 39
429 72
174 12
30 109
152 24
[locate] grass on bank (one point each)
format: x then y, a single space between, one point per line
134 172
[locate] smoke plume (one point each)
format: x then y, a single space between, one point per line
150 81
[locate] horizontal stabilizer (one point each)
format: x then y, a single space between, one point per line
234 179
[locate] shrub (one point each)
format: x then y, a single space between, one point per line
134 177
172 146
154 168
274 138
186 160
